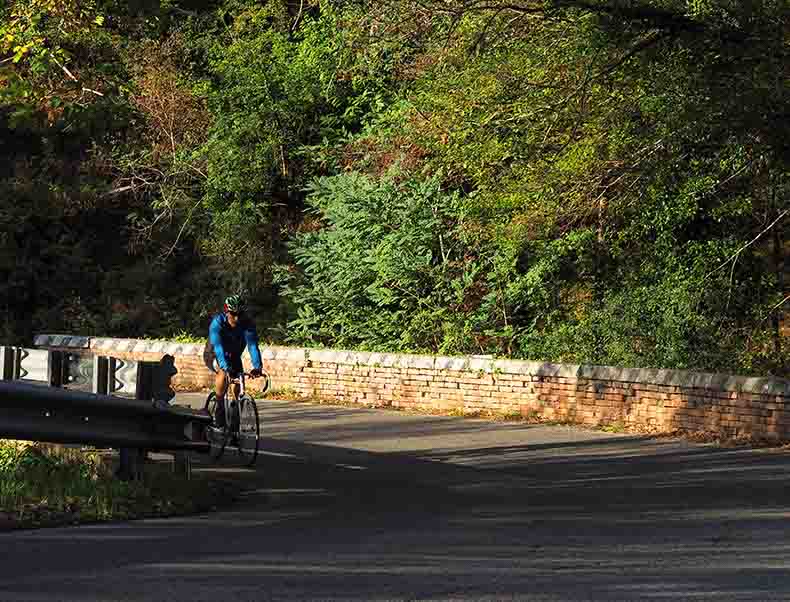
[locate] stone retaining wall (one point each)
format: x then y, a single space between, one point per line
591 395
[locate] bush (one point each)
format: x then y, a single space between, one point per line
42 484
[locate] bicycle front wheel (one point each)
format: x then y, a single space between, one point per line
217 437
249 430
267 381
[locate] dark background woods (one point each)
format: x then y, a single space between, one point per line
599 182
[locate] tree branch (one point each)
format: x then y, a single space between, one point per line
735 255
64 68
181 231
650 40
181 11
656 16
770 311
298 16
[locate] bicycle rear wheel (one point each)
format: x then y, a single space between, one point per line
249 430
217 437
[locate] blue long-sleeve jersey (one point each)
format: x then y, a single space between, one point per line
230 342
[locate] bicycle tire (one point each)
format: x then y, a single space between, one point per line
249 430
217 438
211 404
267 381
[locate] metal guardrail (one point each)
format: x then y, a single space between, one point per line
42 413
62 397
92 373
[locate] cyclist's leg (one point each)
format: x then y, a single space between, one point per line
221 388
236 369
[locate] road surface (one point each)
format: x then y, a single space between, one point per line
358 504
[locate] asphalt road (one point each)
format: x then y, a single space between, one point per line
355 504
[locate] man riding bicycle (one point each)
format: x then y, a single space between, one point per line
229 333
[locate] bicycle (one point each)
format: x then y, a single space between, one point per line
242 422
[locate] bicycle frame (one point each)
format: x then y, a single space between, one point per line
231 382
241 420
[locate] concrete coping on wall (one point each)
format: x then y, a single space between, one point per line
108 345
62 340
473 364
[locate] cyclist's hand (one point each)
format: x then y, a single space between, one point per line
255 373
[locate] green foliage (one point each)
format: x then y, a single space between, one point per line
588 182
607 174
31 472
183 336
386 270
41 484
272 92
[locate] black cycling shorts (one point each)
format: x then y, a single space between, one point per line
234 363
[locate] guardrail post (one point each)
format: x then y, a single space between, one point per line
131 463
101 375
153 383
182 464
55 375
132 459
7 363
16 367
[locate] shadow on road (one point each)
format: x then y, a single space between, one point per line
626 475
611 518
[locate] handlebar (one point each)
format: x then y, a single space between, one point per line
237 377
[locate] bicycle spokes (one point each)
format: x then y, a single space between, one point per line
249 430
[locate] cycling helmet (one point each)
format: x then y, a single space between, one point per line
234 304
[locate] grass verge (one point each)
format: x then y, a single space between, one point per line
43 485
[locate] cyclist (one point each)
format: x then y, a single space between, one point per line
229 333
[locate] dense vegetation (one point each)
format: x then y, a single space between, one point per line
44 485
599 181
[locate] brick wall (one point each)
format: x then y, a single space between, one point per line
591 395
